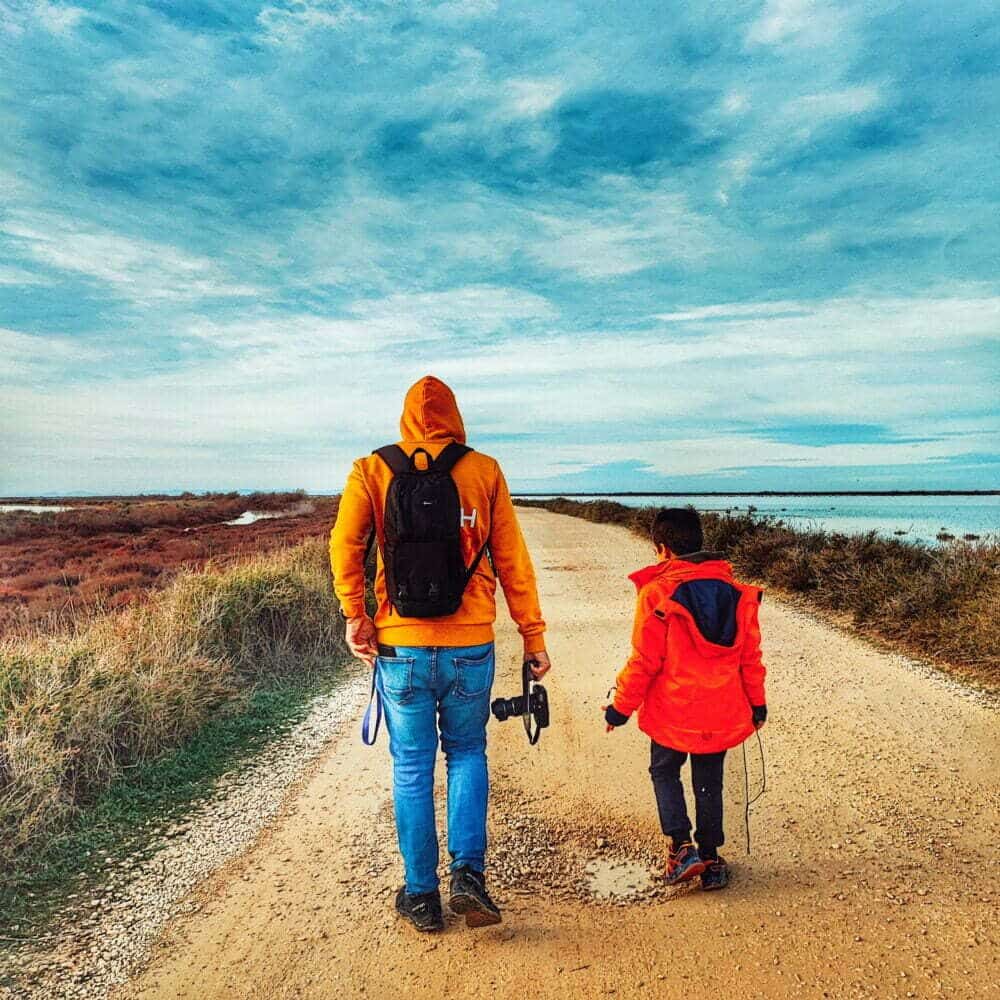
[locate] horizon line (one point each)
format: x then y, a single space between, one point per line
555 494
762 493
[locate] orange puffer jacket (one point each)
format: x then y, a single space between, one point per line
696 666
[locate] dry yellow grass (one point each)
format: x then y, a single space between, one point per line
78 709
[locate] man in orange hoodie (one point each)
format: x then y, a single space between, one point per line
431 640
697 678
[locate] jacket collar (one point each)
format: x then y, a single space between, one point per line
700 557
695 564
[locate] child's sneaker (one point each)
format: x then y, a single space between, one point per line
716 875
684 863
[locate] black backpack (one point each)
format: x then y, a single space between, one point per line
425 571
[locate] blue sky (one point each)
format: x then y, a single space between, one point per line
719 245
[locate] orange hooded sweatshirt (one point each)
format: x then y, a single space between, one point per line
431 420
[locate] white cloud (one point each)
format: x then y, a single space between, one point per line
735 171
19 276
687 456
461 10
802 22
400 320
41 356
295 399
482 307
12 187
530 97
137 269
734 102
144 79
60 19
835 103
840 361
848 324
642 228
296 23
733 310
31 346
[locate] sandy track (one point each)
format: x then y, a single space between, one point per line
874 859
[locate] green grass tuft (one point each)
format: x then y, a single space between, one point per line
125 820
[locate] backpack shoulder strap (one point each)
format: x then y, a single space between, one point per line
450 455
471 571
394 457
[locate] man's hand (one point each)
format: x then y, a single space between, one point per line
759 715
542 664
613 718
360 637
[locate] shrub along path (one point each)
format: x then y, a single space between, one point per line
870 875
931 602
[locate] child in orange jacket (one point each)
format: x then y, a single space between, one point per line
697 679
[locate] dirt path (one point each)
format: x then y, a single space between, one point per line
873 871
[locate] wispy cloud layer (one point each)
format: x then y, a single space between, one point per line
740 244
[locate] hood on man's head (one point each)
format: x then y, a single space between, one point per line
430 413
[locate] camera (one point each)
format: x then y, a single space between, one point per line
531 704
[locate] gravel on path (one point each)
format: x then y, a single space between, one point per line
100 939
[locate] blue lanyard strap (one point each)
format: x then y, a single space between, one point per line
368 733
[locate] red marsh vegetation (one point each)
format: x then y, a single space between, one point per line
108 552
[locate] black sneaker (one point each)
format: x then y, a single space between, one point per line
423 909
716 875
469 896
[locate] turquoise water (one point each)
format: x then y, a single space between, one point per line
919 518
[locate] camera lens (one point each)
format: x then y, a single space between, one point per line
504 708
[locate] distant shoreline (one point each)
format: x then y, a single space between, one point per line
773 493
874 577
84 498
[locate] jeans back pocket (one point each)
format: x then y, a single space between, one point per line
395 675
474 674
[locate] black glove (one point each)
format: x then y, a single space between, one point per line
759 715
613 717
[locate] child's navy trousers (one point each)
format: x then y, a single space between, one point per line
706 777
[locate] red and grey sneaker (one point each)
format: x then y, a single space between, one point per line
683 863
716 875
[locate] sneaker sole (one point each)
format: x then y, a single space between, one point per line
718 885
434 929
476 915
693 872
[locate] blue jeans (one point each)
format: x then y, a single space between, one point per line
424 688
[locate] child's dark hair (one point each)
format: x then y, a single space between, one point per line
679 529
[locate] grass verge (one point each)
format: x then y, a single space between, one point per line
937 603
126 821
80 712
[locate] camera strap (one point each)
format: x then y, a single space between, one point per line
526 695
532 738
368 733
